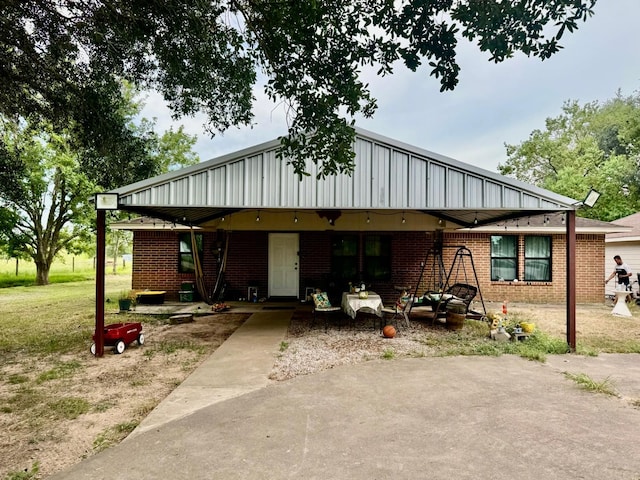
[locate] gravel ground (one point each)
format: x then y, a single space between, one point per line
309 349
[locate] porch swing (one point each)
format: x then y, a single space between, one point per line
458 288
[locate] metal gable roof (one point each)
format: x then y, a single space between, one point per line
389 175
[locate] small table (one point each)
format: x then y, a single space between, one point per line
352 303
620 308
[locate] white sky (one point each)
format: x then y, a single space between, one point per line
493 104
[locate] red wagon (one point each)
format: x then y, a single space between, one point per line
119 335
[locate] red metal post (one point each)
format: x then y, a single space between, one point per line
100 273
571 279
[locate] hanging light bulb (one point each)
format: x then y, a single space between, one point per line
475 220
222 219
258 216
368 219
295 217
404 220
563 218
440 221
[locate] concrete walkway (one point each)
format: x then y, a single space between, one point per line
240 365
416 418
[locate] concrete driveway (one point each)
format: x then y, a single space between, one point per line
421 418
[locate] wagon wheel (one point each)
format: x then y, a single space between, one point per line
92 349
141 338
119 346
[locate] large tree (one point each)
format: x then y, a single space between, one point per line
44 196
61 59
591 145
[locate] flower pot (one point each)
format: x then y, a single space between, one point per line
124 304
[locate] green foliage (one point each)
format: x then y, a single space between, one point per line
69 407
113 436
594 145
51 211
605 386
388 354
60 370
30 474
65 60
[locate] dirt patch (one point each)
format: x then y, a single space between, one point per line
56 411
120 390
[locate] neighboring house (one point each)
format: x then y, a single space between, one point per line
284 236
627 245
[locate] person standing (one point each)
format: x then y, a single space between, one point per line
623 272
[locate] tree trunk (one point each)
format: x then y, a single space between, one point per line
42 273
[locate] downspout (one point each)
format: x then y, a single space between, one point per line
571 279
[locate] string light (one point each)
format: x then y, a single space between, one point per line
295 217
222 219
368 219
404 220
258 216
475 220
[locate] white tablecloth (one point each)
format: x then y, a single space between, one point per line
352 303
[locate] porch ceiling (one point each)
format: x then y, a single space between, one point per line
198 216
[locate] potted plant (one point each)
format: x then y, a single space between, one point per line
126 300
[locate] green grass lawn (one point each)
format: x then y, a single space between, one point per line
55 318
69 268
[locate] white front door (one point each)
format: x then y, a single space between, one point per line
283 265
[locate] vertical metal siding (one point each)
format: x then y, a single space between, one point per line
290 186
385 176
455 191
511 198
418 183
253 181
380 176
272 180
399 180
218 185
438 186
529 201
344 190
162 194
493 195
308 185
181 191
362 174
326 192
474 192
235 184
199 189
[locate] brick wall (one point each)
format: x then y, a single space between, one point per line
156 257
155 265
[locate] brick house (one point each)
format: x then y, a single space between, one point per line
252 216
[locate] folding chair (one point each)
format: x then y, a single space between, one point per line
323 305
397 312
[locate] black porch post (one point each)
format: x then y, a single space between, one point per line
571 279
100 271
